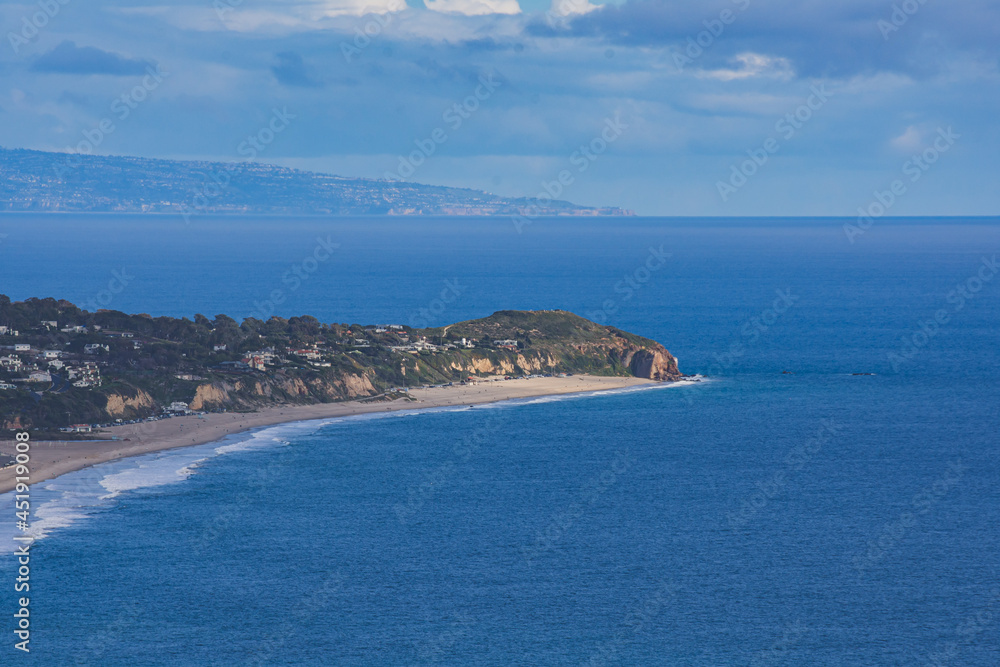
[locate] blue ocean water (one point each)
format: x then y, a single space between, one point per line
815 517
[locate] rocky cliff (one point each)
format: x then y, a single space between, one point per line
654 364
252 393
556 341
220 364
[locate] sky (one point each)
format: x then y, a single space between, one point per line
687 108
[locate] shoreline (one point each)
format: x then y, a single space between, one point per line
51 459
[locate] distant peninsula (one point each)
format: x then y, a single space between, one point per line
37 181
66 368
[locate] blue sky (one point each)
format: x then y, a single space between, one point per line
735 107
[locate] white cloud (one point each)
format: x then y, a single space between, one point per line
329 8
474 7
910 140
278 19
750 65
571 7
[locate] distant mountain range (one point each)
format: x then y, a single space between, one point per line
65 182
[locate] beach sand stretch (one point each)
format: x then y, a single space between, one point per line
51 459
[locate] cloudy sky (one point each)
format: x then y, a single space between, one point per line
728 107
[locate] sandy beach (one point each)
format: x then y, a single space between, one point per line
52 459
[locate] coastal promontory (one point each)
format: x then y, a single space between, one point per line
63 367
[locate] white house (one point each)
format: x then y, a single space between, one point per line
178 406
22 347
51 354
40 376
95 348
13 362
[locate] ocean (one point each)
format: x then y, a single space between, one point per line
830 495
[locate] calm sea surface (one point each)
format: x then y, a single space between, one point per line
813 517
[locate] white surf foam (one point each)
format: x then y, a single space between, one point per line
695 380
61 502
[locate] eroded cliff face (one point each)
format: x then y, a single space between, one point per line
211 395
499 364
615 355
251 393
652 362
655 365
120 405
502 365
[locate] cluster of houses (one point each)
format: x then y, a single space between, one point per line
422 344
20 363
319 356
40 365
24 364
